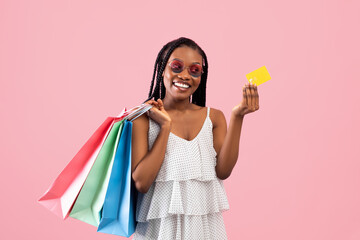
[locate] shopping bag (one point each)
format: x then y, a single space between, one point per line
118 213
91 198
60 196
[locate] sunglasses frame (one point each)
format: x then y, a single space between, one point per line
202 70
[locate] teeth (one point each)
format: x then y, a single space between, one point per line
181 85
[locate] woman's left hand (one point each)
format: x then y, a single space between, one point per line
250 101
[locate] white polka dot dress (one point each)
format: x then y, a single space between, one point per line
186 200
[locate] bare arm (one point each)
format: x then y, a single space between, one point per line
226 143
146 163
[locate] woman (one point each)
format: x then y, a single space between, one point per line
182 150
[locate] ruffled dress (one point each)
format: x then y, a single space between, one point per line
187 199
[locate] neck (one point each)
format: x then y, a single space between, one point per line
174 104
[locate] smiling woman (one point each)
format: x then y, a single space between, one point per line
176 78
195 61
181 150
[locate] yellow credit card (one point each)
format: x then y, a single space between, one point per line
258 76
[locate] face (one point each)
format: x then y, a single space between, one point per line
193 60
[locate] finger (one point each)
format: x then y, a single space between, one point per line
256 98
155 105
244 94
252 96
151 102
248 95
161 104
153 110
154 102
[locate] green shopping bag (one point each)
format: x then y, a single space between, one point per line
91 198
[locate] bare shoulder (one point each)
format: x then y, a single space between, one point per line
219 128
139 140
217 117
141 124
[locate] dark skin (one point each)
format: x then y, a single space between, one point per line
176 115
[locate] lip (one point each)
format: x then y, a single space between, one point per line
181 89
186 83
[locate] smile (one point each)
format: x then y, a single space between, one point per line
181 85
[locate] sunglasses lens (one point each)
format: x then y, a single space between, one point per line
177 66
195 70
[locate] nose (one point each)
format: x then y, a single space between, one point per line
184 74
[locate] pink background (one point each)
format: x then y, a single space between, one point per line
67 65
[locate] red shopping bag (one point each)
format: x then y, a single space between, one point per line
61 195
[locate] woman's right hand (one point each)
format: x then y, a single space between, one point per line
158 113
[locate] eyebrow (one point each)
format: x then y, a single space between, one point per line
183 61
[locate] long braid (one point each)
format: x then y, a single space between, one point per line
156 69
199 96
156 93
163 66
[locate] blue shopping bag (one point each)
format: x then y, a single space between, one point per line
118 212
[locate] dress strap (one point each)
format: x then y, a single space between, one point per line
208 111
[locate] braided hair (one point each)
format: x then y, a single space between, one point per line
199 96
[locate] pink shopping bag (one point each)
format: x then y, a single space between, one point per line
61 195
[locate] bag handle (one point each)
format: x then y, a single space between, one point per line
135 112
125 112
144 110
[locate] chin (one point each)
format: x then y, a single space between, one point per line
180 97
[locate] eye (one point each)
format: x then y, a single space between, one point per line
176 65
195 69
